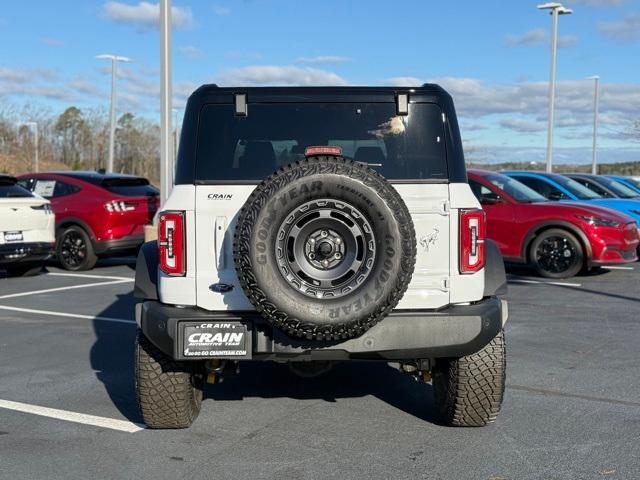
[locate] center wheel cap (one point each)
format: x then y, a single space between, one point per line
325 249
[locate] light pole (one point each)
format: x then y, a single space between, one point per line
112 113
33 125
556 10
596 101
166 147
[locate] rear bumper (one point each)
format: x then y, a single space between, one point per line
451 332
109 247
15 253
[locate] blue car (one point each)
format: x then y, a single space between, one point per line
560 188
631 182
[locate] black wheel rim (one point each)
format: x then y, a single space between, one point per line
556 254
73 249
325 248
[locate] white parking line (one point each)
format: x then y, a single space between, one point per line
538 282
69 315
615 267
82 275
111 423
59 289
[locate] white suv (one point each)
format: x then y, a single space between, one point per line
26 229
314 225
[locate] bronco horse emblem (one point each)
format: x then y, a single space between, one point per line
426 241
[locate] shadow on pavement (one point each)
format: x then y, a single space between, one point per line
112 359
345 380
112 355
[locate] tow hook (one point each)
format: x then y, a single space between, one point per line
420 370
217 370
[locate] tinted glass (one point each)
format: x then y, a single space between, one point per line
581 192
594 187
232 147
540 186
634 181
130 187
515 189
9 189
618 188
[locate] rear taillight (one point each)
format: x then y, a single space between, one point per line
472 235
171 243
119 206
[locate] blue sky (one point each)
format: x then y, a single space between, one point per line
493 58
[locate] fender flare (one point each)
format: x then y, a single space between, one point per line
146 282
534 231
495 277
69 221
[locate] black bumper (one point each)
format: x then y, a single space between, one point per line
15 253
111 247
451 332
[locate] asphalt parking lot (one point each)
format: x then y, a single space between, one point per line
67 406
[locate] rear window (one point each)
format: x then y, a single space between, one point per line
236 148
9 188
129 187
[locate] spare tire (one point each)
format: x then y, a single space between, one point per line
324 248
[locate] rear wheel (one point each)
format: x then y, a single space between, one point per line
556 253
169 393
74 249
469 390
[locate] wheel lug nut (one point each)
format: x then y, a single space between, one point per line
325 263
312 255
324 233
338 241
338 255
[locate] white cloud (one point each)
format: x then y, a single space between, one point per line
627 29
403 82
323 59
539 36
145 15
532 37
522 126
191 52
221 11
269 75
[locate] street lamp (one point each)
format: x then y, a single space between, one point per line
112 114
596 101
166 145
33 125
556 10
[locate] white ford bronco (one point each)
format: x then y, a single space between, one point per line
318 225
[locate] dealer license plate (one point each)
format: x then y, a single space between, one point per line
215 340
10 237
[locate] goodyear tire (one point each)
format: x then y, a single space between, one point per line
469 390
324 248
169 393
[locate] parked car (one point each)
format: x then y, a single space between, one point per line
631 182
558 187
604 186
26 229
557 238
97 214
